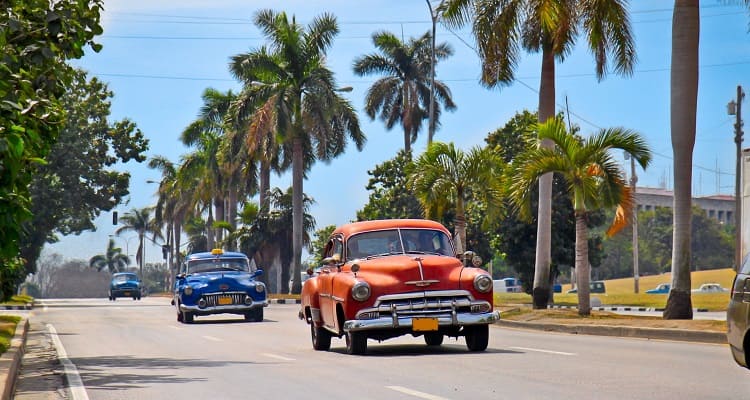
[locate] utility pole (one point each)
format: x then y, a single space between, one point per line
633 183
735 108
431 127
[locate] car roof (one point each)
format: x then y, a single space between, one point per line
374 225
124 273
209 255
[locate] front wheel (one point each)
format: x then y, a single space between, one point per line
187 317
254 315
433 339
321 338
477 337
356 343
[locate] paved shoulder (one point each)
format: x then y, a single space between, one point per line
41 375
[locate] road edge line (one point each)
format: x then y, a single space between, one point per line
75 384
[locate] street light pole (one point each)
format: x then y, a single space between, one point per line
735 108
633 183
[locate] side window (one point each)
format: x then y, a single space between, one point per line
334 246
745 265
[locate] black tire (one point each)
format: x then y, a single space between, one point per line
321 338
477 337
254 315
179 317
433 339
139 297
135 298
356 343
188 317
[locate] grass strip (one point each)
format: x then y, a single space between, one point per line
8 325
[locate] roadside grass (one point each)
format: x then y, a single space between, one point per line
19 300
8 325
620 292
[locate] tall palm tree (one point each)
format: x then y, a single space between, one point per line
593 177
446 176
140 222
113 259
297 99
684 98
502 28
403 95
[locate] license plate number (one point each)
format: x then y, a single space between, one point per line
424 324
127 293
225 300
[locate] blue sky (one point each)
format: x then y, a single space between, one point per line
159 56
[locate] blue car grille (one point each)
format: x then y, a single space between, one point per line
212 299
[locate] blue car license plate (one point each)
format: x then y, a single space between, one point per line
225 300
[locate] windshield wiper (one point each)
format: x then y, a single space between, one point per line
392 253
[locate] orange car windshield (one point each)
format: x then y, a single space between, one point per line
398 241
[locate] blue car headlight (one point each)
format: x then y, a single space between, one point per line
260 288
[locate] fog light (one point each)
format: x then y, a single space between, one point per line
480 308
248 300
202 303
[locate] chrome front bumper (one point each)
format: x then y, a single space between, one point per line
444 319
224 309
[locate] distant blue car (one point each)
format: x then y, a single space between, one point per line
662 288
218 282
124 284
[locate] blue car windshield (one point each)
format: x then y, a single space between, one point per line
217 264
125 278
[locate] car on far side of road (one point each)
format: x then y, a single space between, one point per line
738 316
124 284
709 288
662 288
594 287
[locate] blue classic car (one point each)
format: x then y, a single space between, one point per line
124 284
218 282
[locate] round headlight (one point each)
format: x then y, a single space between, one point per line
361 291
188 290
483 283
260 288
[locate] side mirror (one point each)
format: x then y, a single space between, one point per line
180 276
332 260
258 272
309 272
467 258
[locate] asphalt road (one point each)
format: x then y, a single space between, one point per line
137 350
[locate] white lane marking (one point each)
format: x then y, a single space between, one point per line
544 351
215 339
175 327
415 393
77 389
278 357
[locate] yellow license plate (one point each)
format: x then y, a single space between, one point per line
225 300
424 324
126 293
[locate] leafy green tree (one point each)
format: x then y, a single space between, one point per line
297 98
140 222
37 38
403 95
446 177
89 146
593 178
319 242
502 28
389 197
113 259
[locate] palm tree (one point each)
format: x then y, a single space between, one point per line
684 98
113 259
502 28
298 100
403 95
593 177
140 222
445 176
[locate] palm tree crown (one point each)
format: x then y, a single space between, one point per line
403 95
113 259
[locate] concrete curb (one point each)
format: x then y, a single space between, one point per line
284 301
623 331
626 308
10 361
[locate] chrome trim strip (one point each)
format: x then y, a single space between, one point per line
457 319
221 309
417 295
336 298
315 314
422 283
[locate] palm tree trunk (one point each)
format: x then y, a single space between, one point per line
460 223
684 97
210 227
220 216
232 246
297 193
541 291
407 141
582 265
142 253
265 185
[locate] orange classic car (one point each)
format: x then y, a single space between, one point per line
386 278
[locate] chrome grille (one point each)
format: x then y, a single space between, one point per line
212 299
422 304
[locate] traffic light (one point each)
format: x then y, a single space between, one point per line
114 217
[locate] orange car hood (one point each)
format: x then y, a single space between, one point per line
401 273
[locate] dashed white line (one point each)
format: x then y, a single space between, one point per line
561 353
215 339
77 390
415 393
278 357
